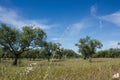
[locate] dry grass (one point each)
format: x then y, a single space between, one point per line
70 69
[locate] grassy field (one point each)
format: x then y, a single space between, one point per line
70 69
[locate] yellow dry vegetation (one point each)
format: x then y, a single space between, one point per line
69 69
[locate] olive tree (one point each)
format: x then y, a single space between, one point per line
50 48
87 46
19 41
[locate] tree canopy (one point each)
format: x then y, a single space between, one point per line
50 47
87 46
18 41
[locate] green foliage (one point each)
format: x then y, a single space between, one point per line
65 53
35 53
18 42
50 48
110 53
70 53
87 46
59 53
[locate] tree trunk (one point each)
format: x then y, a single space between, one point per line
84 58
48 59
15 60
49 55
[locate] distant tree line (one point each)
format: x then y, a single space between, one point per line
34 54
110 53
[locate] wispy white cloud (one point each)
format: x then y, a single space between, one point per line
111 44
113 18
55 39
12 17
72 30
76 28
73 33
93 10
100 24
114 44
70 35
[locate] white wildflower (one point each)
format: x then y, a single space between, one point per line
115 75
32 64
28 69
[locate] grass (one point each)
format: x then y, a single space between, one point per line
70 69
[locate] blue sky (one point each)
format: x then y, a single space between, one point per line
67 21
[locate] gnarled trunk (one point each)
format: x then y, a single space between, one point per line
48 59
16 59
